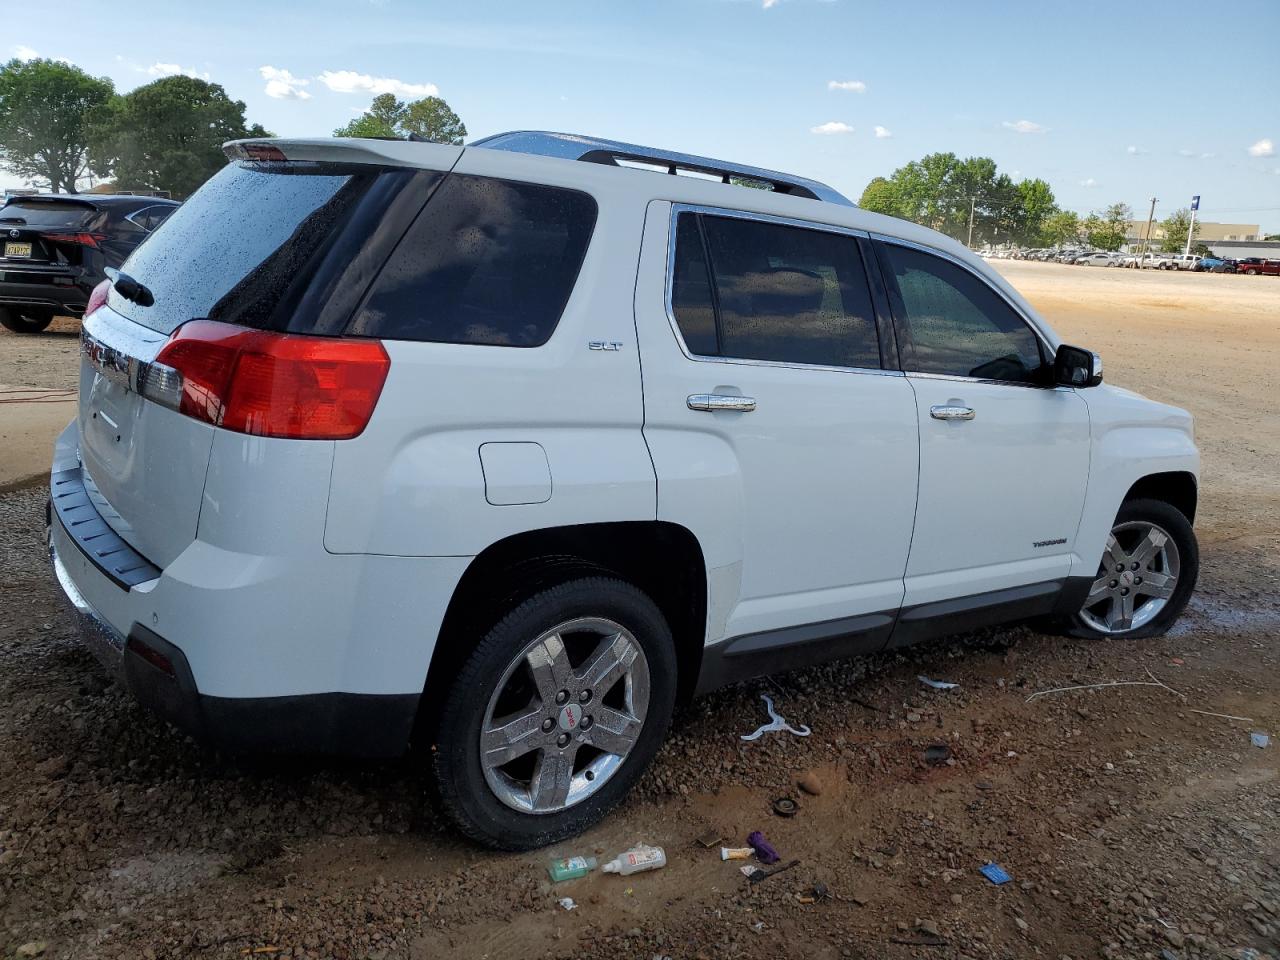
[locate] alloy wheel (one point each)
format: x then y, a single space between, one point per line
565 715
1136 578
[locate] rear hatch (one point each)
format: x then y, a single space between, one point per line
261 245
43 232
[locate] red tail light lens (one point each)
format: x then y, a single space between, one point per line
270 384
98 297
84 239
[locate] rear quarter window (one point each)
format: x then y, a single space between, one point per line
487 261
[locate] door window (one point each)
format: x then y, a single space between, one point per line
757 290
954 323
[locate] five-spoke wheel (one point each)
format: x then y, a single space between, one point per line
555 713
565 715
1146 574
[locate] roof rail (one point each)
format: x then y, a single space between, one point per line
571 146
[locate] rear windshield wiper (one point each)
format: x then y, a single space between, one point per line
130 288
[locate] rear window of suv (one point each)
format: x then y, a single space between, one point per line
487 261
46 214
247 241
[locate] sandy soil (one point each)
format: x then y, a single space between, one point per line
1133 825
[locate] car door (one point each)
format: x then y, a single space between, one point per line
777 435
1004 454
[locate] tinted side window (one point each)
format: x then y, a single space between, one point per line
487 261
955 324
790 294
691 299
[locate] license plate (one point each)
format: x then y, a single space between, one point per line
17 249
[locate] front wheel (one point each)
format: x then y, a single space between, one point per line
556 714
1148 570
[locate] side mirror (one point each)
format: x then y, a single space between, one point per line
1076 367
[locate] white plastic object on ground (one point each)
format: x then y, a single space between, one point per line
639 858
776 722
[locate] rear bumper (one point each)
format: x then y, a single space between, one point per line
283 649
40 292
158 675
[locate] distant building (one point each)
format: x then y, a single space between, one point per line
1208 231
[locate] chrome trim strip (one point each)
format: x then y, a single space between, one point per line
679 208
912 375
572 146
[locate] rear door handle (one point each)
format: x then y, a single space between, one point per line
946 411
721 401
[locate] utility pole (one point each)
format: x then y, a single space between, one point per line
972 201
1195 205
1146 240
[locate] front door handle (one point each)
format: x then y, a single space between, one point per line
721 401
947 411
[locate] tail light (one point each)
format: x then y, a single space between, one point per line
83 239
268 384
98 298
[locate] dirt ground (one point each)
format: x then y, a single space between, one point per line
1134 821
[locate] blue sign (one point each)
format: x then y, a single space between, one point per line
1195 202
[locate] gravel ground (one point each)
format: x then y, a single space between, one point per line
1132 825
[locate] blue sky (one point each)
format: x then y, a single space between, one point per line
1107 101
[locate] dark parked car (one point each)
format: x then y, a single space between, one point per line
55 247
1215 265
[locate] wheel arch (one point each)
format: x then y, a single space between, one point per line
663 559
1177 488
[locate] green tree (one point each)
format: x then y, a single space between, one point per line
880 196
942 191
433 119
1060 228
1106 231
429 118
1175 231
167 135
44 105
1036 204
382 119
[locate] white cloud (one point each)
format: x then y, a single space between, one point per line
1263 148
348 81
854 86
770 3
1207 156
1134 151
1184 152
1024 126
283 85
23 52
831 126
882 133
173 70
1089 182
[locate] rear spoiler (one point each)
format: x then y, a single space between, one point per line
64 199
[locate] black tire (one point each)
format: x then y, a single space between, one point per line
464 792
1171 520
1251 273
24 323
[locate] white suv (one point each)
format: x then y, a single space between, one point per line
503 451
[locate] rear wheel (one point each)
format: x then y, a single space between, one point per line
1251 272
29 322
556 714
1148 570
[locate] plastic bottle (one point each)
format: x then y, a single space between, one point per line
570 868
638 858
